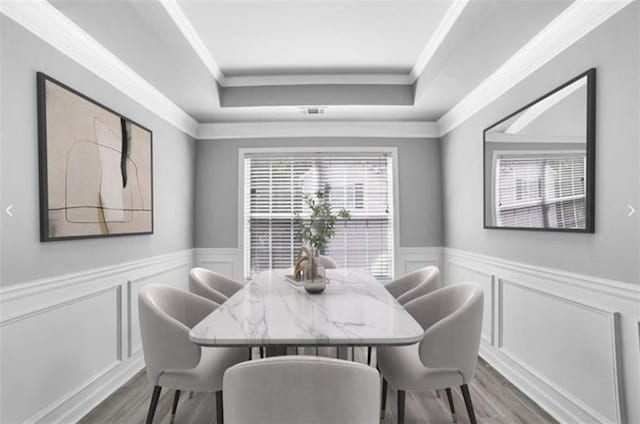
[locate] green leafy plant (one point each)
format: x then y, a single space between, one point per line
317 229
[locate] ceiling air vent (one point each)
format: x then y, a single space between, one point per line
313 110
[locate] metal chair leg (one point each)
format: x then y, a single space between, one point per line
401 397
383 401
219 411
174 407
154 403
467 402
451 406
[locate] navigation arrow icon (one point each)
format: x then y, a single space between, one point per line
8 210
631 210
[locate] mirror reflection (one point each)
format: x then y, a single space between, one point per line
537 173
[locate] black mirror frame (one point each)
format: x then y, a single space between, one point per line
590 188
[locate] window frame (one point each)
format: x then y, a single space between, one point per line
392 151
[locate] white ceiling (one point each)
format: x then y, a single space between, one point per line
311 37
317 38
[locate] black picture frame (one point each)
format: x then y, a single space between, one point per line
590 191
41 80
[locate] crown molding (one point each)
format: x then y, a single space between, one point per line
52 26
447 22
581 17
311 79
184 25
190 33
291 129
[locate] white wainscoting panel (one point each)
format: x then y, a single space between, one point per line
70 341
409 259
457 273
226 261
567 340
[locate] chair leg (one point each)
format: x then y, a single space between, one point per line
219 411
369 349
191 395
451 406
467 402
154 403
383 401
261 352
401 396
174 407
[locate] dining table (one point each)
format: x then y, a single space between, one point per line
272 311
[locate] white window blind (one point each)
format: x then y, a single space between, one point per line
273 193
541 192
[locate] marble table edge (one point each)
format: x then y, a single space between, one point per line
402 341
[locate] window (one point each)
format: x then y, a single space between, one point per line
541 191
273 192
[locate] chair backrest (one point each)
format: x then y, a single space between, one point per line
420 281
327 262
212 285
301 389
166 316
427 279
452 319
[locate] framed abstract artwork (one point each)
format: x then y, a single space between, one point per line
96 172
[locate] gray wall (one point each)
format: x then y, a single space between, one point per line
614 250
419 187
24 257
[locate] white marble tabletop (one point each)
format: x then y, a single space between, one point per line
354 309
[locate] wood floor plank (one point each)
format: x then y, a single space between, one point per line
496 401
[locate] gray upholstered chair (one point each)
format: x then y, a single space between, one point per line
412 286
448 353
212 285
301 389
327 262
172 360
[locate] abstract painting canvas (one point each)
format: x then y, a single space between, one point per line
96 175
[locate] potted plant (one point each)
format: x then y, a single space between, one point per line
316 231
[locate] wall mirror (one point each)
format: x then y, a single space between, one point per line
539 162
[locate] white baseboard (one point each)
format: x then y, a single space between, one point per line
70 341
589 368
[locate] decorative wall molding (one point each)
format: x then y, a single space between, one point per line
613 344
289 129
606 286
447 22
86 318
572 24
184 25
226 261
316 79
53 27
560 378
409 259
608 340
